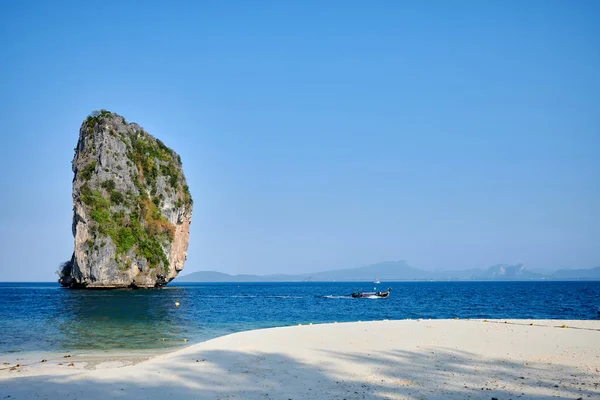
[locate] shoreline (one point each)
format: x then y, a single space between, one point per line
90 359
33 361
34 354
393 359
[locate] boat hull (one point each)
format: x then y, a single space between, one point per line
359 295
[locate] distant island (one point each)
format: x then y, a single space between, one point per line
401 271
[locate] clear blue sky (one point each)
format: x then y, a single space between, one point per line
318 135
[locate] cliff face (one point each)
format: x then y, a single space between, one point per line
131 208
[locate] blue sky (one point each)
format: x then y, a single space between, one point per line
318 135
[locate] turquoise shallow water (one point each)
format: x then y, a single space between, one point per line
46 317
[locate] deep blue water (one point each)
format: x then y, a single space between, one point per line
45 317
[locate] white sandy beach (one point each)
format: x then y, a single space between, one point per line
412 359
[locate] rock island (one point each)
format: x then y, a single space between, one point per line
132 208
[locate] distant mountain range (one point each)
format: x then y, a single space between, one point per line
401 271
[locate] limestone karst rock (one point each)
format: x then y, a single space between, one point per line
131 208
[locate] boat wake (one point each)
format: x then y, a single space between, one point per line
250 296
350 297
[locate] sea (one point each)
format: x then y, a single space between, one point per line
38 317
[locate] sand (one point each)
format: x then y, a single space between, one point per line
411 359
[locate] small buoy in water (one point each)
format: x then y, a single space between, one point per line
185 340
176 304
163 339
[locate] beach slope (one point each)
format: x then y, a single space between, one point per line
424 359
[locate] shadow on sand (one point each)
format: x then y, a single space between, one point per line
432 373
